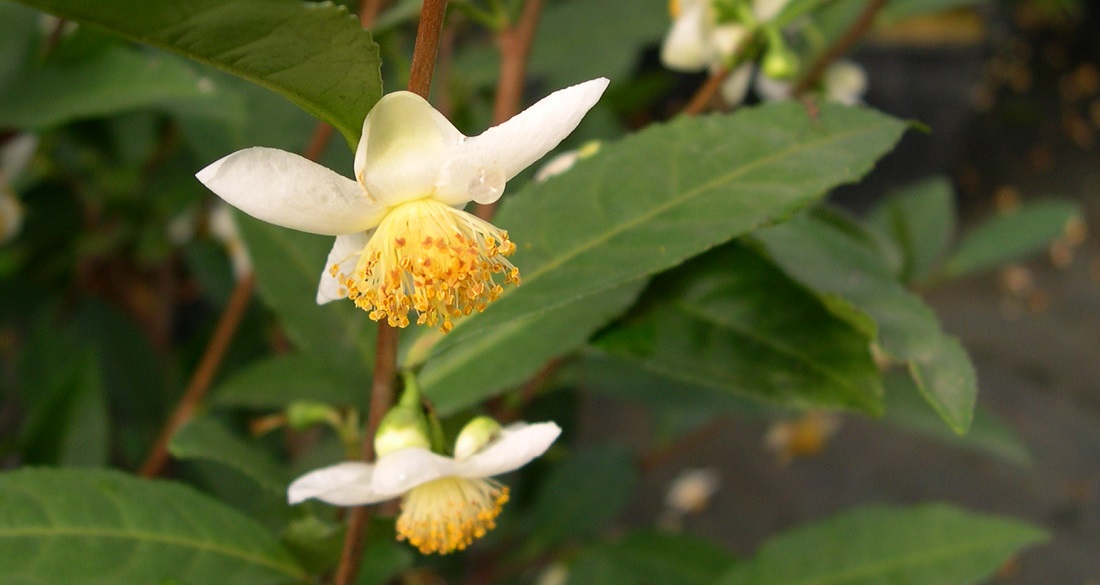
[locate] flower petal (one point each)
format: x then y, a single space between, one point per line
344 254
477 169
404 145
403 470
343 484
686 47
518 444
16 154
288 190
736 85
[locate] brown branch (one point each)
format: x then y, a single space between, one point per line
385 363
682 444
368 11
704 96
515 48
204 374
859 27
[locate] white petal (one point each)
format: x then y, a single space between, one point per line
288 190
726 40
518 444
403 470
15 155
345 253
845 82
343 484
765 10
404 145
736 85
772 90
477 169
11 215
686 47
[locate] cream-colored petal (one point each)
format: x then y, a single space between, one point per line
344 254
736 85
845 82
343 484
16 154
404 145
772 90
518 444
726 41
403 470
288 190
11 215
477 168
687 46
766 10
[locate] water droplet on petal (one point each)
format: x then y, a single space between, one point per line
487 187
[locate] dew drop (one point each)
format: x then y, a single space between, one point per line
487 186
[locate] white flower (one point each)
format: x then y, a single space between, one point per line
224 229
696 40
446 502
403 243
844 82
565 161
692 489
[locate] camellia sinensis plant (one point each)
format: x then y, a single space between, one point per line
203 393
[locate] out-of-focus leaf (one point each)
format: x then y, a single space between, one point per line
920 220
503 355
833 256
1012 236
988 435
288 267
116 80
74 527
657 558
732 320
899 10
279 381
316 54
582 494
596 567
927 544
205 438
18 31
563 50
672 191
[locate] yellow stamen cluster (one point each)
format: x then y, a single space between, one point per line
431 258
674 8
448 514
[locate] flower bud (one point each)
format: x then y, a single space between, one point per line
302 415
402 427
477 433
780 63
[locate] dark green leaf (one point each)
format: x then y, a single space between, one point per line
205 438
74 527
279 381
732 320
1013 236
582 494
657 558
316 54
877 545
833 256
920 220
503 355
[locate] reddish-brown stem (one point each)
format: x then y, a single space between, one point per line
699 436
318 141
837 50
385 362
705 95
204 374
515 44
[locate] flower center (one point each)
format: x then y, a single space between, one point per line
428 257
448 514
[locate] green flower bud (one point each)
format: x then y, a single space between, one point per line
401 428
302 415
477 433
779 61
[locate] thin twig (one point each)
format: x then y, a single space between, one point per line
204 374
368 11
515 44
705 94
385 363
682 444
859 27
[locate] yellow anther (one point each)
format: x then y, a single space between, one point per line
448 514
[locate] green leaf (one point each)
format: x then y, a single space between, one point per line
988 435
731 320
18 31
288 266
582 494
879 545
74 527
672 191
315 54
118 79
657 558
833 256
920 220
207 439
278 381
489 359
1013 236
563 51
